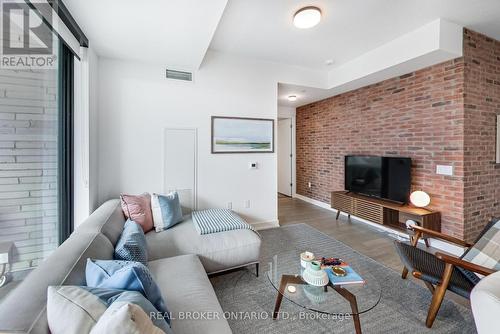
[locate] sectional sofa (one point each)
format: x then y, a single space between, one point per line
179 260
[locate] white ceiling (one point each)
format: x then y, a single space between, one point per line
176 33
349 28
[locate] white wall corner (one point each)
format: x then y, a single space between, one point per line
451 38
433 43
286 112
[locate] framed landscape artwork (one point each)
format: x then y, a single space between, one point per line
242 135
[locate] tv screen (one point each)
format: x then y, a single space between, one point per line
382 177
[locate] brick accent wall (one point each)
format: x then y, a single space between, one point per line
28 164
482 104
426 115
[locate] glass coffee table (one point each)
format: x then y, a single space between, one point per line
338 301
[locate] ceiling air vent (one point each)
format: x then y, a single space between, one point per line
179 75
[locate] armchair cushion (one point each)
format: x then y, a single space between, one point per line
485 252
431 268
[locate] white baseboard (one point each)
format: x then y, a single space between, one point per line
314 201
435 243
265 225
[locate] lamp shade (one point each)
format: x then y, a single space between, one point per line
420 198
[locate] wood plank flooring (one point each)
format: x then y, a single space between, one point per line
378 245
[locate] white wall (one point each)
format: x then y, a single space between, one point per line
286 112
136 103
94 130
85 135
80 143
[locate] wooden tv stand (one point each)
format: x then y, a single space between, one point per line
383 212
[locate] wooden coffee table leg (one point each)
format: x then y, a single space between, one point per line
284 281
279 297
354 306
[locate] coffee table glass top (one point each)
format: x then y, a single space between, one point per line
285 270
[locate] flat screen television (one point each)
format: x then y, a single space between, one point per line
383 177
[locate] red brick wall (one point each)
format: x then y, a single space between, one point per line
482 104
420 115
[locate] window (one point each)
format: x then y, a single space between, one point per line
36 140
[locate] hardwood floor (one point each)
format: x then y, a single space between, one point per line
365 239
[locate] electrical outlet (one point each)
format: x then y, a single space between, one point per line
444 170
253 165
229 205
309 184
247 204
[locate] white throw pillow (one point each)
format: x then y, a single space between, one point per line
125 318
71 309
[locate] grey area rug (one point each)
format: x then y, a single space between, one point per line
402 308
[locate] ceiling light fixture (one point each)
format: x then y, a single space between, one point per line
307 17
292 98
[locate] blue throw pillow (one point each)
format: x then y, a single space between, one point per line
125 275
132 244
110 296
167 211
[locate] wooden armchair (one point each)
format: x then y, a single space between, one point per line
440 272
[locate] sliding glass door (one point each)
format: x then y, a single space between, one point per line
36 126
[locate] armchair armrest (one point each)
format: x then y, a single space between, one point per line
464 264
420 230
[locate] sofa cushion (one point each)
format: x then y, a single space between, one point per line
111 297
125 275
125 318
132 244
184 281
138 208
65 266
72 310
217 251
485 252
107 219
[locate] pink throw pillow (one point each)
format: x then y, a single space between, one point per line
138 209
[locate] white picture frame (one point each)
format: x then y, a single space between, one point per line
242 135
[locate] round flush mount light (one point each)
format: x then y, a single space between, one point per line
420 198
292 98
307 17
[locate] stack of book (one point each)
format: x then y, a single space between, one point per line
350 277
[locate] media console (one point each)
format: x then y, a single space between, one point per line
384 212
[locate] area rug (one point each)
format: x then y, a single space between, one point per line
248 300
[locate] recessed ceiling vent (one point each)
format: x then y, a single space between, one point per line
179 75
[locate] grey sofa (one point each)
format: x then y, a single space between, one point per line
179 261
